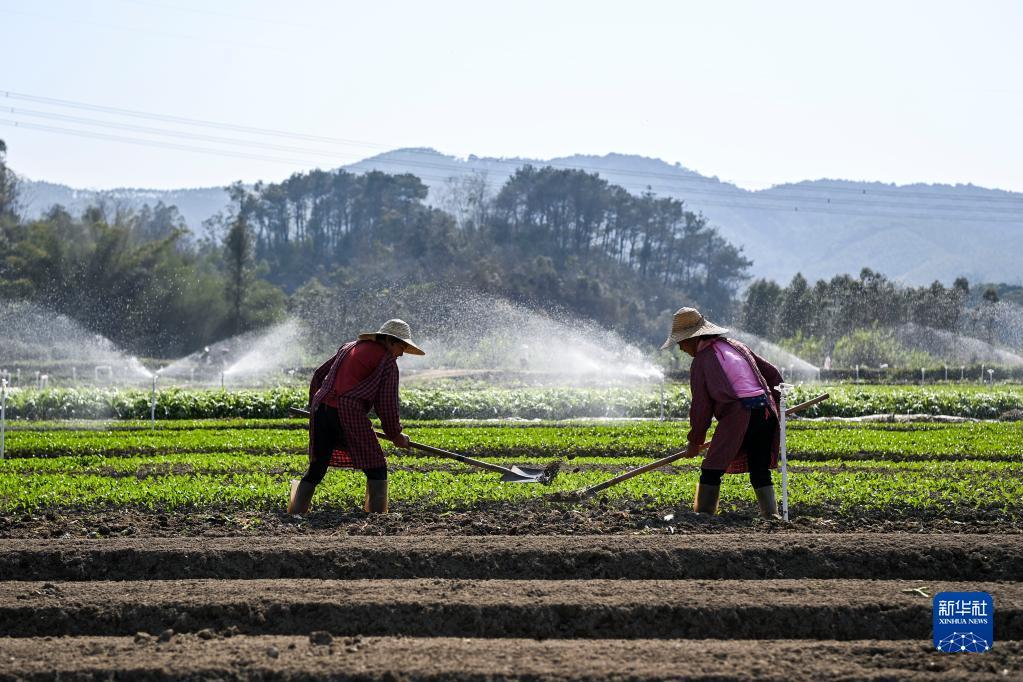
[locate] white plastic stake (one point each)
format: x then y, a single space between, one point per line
662 400
152 407
784 389
3 416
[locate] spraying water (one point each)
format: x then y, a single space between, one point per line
791 365
272 350
490 333
249 359
32 335
955 348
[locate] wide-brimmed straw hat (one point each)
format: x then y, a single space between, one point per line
400 330
687 323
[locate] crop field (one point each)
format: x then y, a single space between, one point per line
468 400
135 552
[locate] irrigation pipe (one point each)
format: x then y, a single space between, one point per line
594 489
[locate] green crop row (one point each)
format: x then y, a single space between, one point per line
891 492
484 401
192 463
806 440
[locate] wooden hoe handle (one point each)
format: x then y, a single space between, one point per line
594 489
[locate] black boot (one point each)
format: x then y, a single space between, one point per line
301 496
376 496
765 500
706 501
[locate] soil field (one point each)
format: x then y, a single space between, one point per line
897 556
267 657
541 609
530 517
781 605
184 566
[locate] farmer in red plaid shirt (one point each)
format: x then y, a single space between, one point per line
362 375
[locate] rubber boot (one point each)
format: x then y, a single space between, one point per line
301 496
767 503
376 496
706 498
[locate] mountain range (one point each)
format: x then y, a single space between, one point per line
912 233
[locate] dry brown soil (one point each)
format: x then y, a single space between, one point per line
604 590
249 597
595 517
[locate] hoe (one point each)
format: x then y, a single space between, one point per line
514 474
583 493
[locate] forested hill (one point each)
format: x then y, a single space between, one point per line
912 233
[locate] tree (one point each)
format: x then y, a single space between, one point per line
8 187
990 307
760 309
239 271
796 308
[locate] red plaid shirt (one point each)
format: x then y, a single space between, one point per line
378 391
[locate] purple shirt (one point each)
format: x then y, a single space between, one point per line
713 397
740 375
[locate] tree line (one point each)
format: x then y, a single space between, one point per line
853 319
547 237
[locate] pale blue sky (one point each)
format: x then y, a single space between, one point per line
755 92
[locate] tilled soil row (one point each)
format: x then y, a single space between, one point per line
877 556
533 517
372 658
719 609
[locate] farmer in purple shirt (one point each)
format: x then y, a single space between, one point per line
734 384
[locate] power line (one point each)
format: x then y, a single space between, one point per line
441 179
753 200
170 133
187 121
145 143
512 164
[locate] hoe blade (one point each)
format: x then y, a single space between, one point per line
517 474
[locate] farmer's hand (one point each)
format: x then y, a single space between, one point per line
402 441
693 450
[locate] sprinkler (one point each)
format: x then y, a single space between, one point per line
105 370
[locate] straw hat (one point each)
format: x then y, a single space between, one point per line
687 323
399 329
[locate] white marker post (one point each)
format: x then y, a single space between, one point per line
784 389
662 399
152 407
3 416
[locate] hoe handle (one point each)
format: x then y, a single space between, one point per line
594 489
299 412
455 456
